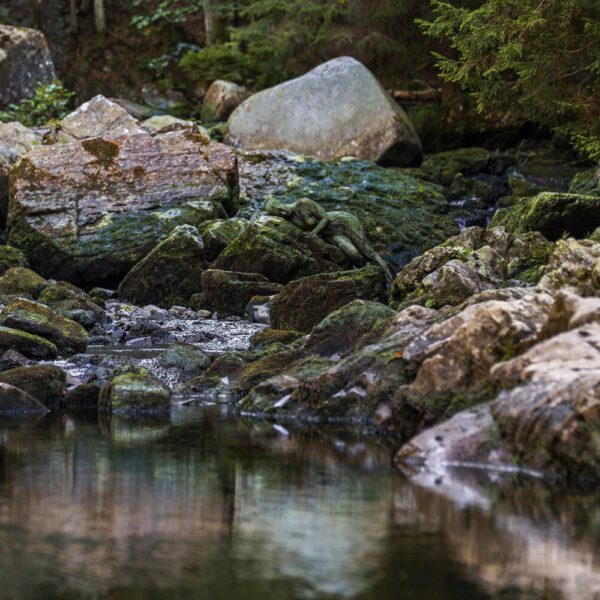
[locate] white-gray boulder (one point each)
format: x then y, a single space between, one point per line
338 109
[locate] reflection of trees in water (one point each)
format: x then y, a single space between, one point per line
239 509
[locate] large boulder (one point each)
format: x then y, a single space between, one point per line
218 234
21 281
25 62
40 320
349 327
552 214
229 292
134 393
338 109
305 302
549 412
45 383
280 251
14 401
98 117
30 345
401 214
454 357
222 98
16 140
88 211
170 274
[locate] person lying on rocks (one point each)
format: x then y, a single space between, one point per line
339 228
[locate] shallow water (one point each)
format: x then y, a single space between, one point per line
203 504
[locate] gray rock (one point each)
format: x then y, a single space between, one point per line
338 109
16 139
99 117
25 62
16 401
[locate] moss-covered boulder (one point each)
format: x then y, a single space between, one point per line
22 281
586 182
87 211
82 397
71 302
170 274
444 166
11 359
185 357
552 214
40 320
305 302
11 257
403 215
14 401
280 251
45 383
30 345
134 393
267 337
218 234
228 292
346 327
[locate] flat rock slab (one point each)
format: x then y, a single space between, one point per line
88 211
338 109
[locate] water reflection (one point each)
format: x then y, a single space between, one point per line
204 505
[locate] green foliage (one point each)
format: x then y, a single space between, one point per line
223 61
277 39
537 60
51 102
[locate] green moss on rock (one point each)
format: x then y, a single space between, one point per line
133 393
40 320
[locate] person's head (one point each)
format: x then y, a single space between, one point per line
276 208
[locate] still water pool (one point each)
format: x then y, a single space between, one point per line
203 504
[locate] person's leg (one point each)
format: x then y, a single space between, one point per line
349 249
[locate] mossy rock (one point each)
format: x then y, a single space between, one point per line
552 214
45 383
228 292
188 358
83 397
403 215
219 233
170 274
305 302
279 251
69 301
444 166
40 320
27 344
20 280
347 327
11 359
265 338
14 401
134 393
586 183
11 257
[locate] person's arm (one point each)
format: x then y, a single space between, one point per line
322 224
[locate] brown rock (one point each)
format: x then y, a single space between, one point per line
88 211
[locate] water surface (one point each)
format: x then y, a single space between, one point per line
203 504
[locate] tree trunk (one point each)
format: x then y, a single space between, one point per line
209 22
99 16
73 16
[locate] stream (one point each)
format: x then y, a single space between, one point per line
204 504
